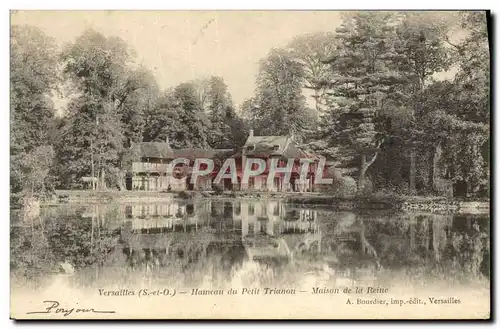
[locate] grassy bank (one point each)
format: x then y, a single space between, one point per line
368 202
90 196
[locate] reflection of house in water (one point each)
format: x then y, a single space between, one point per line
162 217
183 236
204 235
179 236
273 218
189 254
266 229
246 218
273 232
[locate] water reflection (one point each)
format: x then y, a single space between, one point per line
220 242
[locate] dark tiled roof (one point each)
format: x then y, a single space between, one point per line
274 145
265 145
292 151
201 153
160 150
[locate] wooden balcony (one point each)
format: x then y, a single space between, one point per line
149 167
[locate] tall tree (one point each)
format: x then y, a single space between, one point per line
177 115
226 128
139 95
421 54
456 114
91 142
162 120
474 57
220 110
192 116
33 76
280 107
248 111
364 78
312 50
99 67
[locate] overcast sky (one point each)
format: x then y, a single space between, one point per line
180 46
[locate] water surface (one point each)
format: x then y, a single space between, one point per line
266 243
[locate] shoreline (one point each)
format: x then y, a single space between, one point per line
375 202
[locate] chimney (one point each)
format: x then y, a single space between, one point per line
167 140
250 133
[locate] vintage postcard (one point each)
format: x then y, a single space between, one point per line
250 165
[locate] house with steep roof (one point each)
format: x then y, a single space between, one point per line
203 183
284 149
149 168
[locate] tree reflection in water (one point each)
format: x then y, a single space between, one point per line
256 242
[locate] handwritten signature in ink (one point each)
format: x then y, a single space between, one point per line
52 306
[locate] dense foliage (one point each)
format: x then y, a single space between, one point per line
370 96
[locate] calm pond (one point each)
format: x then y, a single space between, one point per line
220 243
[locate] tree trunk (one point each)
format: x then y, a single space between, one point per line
317 104
434 172
411 228
103 183
92 236
364 165
122 184
362 172
92 165
413 170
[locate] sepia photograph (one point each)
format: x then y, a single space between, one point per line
250 164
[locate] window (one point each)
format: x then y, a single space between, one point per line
251 209
228 209
276 148
250 147
128 211
276 210
277 183
190 209
214 206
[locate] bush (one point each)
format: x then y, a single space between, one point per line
368 186
217 189
184 195
400 189
344 186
